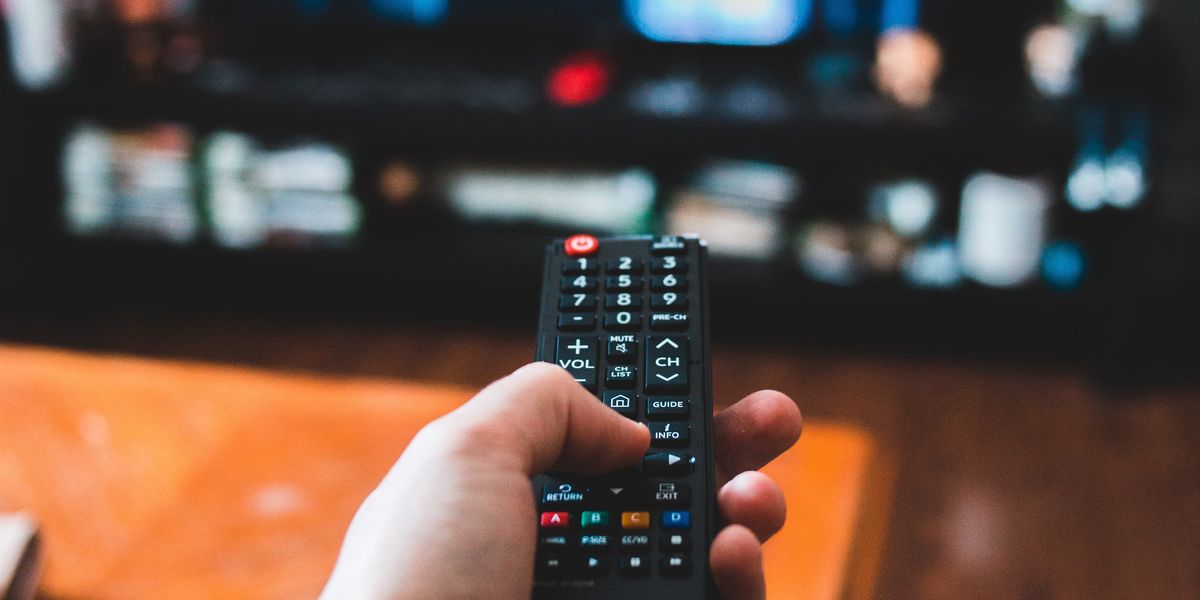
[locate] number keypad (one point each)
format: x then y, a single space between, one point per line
625 332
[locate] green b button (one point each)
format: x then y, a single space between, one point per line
594 519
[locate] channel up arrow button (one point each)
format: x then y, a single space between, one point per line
667 364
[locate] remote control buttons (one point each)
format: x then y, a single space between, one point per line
676 542
557 542
579 356
636 542
663 407
623 283
666 464
623 301
593 519
676 565
666 364
670 434
668 244
577 303
676 519
593 566
635 520
622 349
623 321
580 266
669 493
622 377
555 520
668 264
625 264
581 245
669 283
669 321
578 283
563 494
634 566
550 567
625 403
669 301
580 322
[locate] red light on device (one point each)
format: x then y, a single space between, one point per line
580 80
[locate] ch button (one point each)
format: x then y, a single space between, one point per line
667 364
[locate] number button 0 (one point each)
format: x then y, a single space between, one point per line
623 321
623 283
668 264
673 300
668 283
623 301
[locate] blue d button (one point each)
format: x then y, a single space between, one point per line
676 519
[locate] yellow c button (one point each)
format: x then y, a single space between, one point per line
635 520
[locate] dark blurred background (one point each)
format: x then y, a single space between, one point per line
969 227
1009 178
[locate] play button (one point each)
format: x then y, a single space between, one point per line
667 464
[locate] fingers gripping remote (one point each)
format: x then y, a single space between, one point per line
628 318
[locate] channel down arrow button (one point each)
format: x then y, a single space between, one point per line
667 364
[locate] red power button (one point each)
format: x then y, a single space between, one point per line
581 245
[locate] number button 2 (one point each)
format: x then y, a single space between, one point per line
625 264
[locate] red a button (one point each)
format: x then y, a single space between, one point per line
555 519
581 245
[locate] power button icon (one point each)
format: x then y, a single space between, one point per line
581 245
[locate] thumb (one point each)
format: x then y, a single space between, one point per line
540 419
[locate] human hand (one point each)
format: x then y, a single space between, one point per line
455 517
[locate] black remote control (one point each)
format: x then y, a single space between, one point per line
628 318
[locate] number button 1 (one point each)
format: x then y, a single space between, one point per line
580 266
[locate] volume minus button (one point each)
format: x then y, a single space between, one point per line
579 355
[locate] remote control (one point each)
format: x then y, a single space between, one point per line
628 318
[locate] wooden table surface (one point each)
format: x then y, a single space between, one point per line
1016 479
178 480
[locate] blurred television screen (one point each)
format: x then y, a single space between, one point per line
906 160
